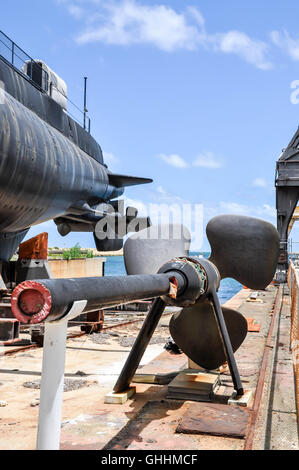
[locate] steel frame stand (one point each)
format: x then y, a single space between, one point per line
233 368
146 333
52 379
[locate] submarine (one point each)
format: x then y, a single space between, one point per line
50 165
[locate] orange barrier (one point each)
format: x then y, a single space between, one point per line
35 248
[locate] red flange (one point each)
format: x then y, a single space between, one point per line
31 302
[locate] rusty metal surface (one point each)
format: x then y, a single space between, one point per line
215 419
155 426
19 349
144 432
35 248
90 322
5 310
9 331
252 326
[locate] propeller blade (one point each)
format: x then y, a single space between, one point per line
146 251
244 248
195 330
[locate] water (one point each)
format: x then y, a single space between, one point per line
114 266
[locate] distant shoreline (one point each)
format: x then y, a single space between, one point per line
105 254
96 253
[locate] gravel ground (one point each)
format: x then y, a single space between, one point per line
69 384
125 338
127 335
100 338
129 340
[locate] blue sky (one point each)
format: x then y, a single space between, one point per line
194 94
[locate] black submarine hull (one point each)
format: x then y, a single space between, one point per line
50 166
42 173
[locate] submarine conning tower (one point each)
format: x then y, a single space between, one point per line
36 86
53 85
51 168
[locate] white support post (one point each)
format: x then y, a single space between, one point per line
52 380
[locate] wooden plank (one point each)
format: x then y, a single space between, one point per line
119 398
244 400
193 385
194 381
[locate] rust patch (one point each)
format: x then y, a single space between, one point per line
252 326
37 292
215 419
173 289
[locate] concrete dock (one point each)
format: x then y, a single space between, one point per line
149 420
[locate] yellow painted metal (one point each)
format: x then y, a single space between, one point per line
293 219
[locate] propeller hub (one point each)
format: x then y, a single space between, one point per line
195 278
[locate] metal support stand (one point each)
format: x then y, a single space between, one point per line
227 345
52 380
144 336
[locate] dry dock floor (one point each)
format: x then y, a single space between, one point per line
149 419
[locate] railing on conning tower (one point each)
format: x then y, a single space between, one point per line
17 58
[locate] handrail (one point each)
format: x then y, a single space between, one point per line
13 54
12 47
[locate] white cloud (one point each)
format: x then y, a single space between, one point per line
287 43
264 210
174 160
267 210
204 160
207 160
129 22
162 195
76 11
233 208
260 183
138 204
252 51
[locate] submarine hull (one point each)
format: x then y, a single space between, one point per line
50 166
42 173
